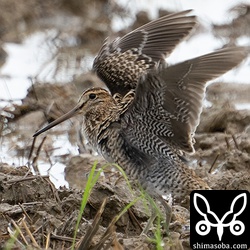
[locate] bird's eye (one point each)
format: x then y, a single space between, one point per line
92 96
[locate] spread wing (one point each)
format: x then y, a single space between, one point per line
168 101
120 63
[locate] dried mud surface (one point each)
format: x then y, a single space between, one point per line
46 216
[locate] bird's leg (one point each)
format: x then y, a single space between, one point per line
150 221
155 213
168 211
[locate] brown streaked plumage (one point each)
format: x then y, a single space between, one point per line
120 62
144 130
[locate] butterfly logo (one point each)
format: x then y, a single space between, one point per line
203 227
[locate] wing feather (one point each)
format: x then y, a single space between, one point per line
121 62
168 100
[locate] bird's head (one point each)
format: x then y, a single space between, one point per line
92 101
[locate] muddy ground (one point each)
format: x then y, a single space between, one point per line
44 217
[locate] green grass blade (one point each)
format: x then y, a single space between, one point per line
92 179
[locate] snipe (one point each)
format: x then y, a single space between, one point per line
153 109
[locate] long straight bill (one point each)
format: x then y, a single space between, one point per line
61 119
